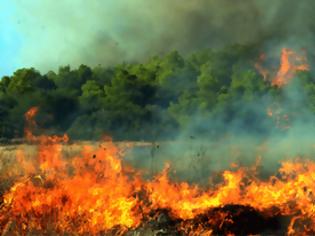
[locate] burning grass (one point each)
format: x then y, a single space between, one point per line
50 191
94 193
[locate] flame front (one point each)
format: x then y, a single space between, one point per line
93 192
84 194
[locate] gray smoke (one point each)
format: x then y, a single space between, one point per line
106 32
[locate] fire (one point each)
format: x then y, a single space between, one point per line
94 193
96 197
291 62
31 125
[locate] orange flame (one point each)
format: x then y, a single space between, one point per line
94 193
31 125
290 63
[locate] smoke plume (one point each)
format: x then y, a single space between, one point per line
74 32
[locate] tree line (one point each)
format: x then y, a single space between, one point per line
208 92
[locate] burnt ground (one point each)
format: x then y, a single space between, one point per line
229 219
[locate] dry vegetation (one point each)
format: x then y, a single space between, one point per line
8 168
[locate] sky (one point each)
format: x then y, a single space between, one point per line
10 38
47 34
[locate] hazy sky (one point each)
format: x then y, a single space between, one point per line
46 34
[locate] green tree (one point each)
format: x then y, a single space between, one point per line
24 81
72 80
92 96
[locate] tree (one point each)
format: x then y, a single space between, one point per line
173 77
126 99
72 80
92 96
24 81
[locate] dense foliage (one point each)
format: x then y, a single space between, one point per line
209 92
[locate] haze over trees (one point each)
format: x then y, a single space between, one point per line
210 91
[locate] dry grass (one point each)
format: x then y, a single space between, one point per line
8 161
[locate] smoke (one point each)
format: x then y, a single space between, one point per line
210 145
94 32
74 32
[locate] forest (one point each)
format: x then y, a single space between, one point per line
209 92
